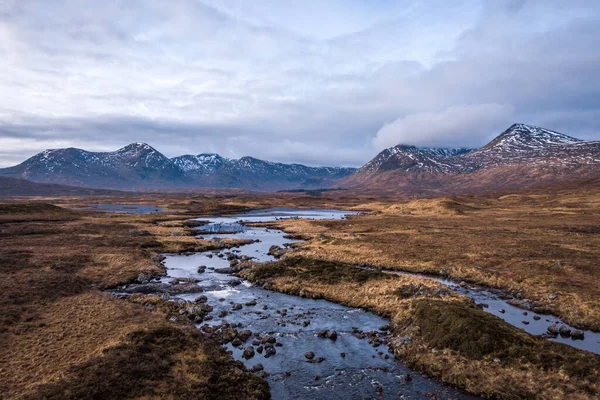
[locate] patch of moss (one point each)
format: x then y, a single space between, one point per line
314 270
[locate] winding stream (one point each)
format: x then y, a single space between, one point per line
358 363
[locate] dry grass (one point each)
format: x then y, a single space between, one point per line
62 337
544 247
443 334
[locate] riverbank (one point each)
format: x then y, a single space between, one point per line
63 337
541 249
443 334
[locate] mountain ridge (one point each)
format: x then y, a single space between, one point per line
139 166
522 155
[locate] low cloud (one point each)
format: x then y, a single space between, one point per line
452 127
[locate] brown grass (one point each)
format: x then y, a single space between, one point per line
62 337
537 246
443 334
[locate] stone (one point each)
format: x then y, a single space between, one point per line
244 335
257 367
310 355
577 335
564 331
248 352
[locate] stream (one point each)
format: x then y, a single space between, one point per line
354 364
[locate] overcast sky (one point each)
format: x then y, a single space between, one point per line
321 82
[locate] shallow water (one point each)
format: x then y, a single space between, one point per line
355 376
495 303
364 367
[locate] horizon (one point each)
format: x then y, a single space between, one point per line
289 163
315 84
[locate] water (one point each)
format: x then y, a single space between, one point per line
494 302
357 375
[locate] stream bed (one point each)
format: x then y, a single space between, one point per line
290 340
356 365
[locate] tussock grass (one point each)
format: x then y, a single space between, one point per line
443 334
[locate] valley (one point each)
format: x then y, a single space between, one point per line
537 248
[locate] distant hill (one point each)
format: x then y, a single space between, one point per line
140 167
523 156
10 187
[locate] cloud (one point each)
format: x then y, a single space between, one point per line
310 82
452 127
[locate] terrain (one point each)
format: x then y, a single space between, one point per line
140 167
523 156
541 247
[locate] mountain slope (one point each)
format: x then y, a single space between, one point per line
521 156
10 187
138 166
212 170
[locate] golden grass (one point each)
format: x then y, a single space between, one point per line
539 246
449 338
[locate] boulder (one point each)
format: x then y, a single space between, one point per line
248 352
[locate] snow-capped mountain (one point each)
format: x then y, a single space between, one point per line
521 156
139 166
135 165
212 170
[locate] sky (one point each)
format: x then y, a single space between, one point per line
320 82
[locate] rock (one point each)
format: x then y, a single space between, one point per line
331 334
537 317
553 331
379 390
268 339
235 282
259 349
497 360
200 300
257 367
237 307
277 251
223 314
343 355
577 335
525 322
244 335
564 331
256 342
270 350
384 328
502 311
310 355
201 269
248 352
303 293
306 323
251 303
236 342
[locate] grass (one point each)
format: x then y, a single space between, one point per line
541 247
58 328
443 334
63 337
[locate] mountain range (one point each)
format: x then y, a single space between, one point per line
139 166
522 157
